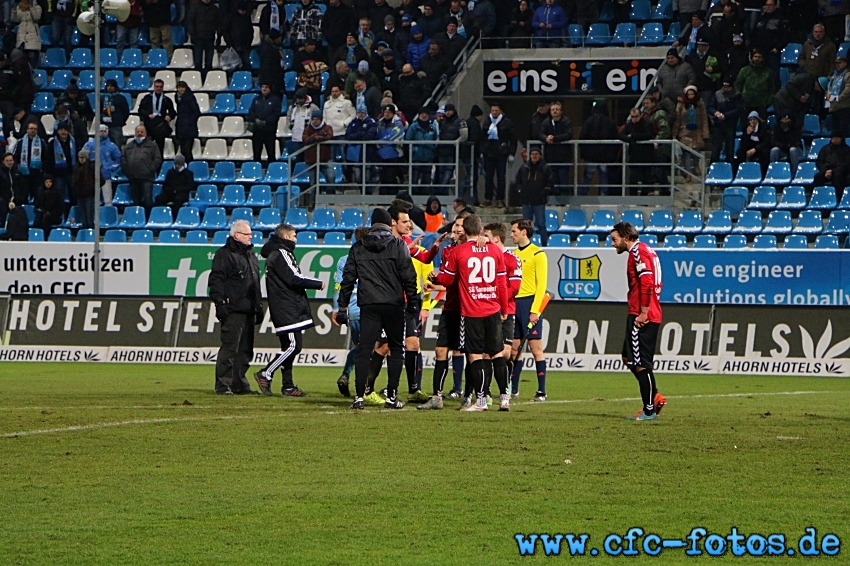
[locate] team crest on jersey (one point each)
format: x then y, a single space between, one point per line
579 277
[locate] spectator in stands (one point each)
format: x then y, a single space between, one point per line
434 218
706 69
273 17
317 132
127 32
378 12
337 78
838 96
389 130
157 113
661 126
756 142
728 24
674 75
338 112
203 23
453 129
497 149
484 20
63 24
793 98
62 116
402 38
586 13
27 16
521 26
140 161
115 111
833 164
351 53
450 41
188 114
556 134
834 14
376 61
306 23
8 183
24 89
110 159
470 152
30 154
597 157
437 67
549 24
538 119
83 180
755 84
411 90
49 206
362 71
770 36
238 31
736 57
362 128
338 21
365 36
816 58
389 75
310 64
534 182
459 13
418 47
271 61
429 22
79 108
18 126
441 8
691 125
787 142
299 116
178 186
696 32
422 129
387 35
636 130
61 156
406 7
262 117
17 225
683 10
723 118
369 97
158 18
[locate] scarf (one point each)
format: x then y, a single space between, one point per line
350 59
319 127
157 101
3 142
60 159
692 40
493 130
28 161
835 86
274 18
691 121
361 100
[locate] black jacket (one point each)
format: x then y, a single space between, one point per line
270 69
157 13
505 145
830 157
17 226
237 29
157 126
204 20
286 287
599 127
188 114
559 152
336 24
234 280
178 184
381 264
264 112
534 182
786 139
120 110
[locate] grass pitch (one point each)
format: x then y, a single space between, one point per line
141 464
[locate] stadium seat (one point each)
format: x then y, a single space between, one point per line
225 103
115 235
133 218
652 33
117 76
70 222
163 170
215 81
576 33
323 219
224 172
838 223
254 59
790 54
201 170
140 81
215 149
130 59
748 174
232 196
188 218
795 242
689 222
705 242
650 240
208 127
778 173
297 217
54 58
142 237
257 237
232 127
552 218
241 81
764 198
220 237
245 101
784 76
122 195
817 145
805 173
601 222
826 242
641 11
267 219
86 235
57 235
290 81
242 213
625 34
81 58
288 58
178 36
574 221
809 222
250 172
260 196
663 10
559 241
735 241
307 238
196 237
160 218
719 173
60 80
349 219
46 36
129 128
157 59
673 33
335 239
660 222
194 82
843 49
633 217
206 195
85 81
108 217
811 123
587 241
749 222
598 35
182 59
793 198
823 198
169 237
37 235
735 199
675 241
241 150
764 242
44 103
277 173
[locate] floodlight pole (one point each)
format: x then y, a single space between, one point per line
97 165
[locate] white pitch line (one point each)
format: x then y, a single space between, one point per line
113 424
705 396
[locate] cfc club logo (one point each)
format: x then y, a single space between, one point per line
579 277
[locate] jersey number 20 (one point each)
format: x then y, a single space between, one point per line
483 270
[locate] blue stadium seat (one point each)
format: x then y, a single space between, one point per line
633 217
689 222
673 33
188 218
660 222
70 222
169 237
790 54
823 198
749 222
764 198
805 173
204 197
232 196
144 35
196 237
675 241
225 104
817 145
663 10
650 240
267 219
224 172
748 174
652 33
108 216
764 242
351 218
116 235
259 197
37 235
201 170
277 173
85 80
54 58
30 210
778 222
163 170
130 59
778 173
58 235
735 241
46 36
133 218
720 173
60 80
117 76
44 103
574 222
257 239
242 213
552 218
323 219
598 35
307 238
157 59
838 223
601 222
843 49
160 218
641 10
587 241
809 222
826 242
215 218
795 242
178 36
335 239
85 235
735 199
793 198
220 237
297 217
705 242
254 59
241 81
142 237
625 34
290 81
245 102
811 123
301 175
80 59
559 241
288 58
250 172
537 241
576 33
606 13
39 78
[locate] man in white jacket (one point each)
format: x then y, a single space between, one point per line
339 112
299 115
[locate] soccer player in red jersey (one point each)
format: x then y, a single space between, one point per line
644 276
483 297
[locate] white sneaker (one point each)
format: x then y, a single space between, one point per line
475 407
465 404
504 403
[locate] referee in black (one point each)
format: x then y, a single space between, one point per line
380 265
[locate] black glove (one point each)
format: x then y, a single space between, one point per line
342 316
258 318
221 312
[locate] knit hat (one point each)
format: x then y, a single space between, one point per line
533 147
274 34
383 44
691 87
390 107
441 110
317 114
389 64
406 18
381 216
476 111
84 153
674 52
301 93
415 30
836 133
73 86
363 66
388 19
362 108
451 107
387 53
104 128
752 115
179 160
452 21
387 101
699 14
737 37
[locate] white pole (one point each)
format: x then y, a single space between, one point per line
97 164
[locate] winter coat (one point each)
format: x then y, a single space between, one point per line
380 264
110 156
157 126
436 68
522 17
760 140
599 127
755 83
411 92
451 46
834 8
391 132
70 159
838 90
431 26
83 180
78 106
286 287
264 113
141 161
234 281
372 99
306 23
788 97
338 112
534 183
416 51
786 139
505 144
730 106
158 13
429 131
552 15
316 136
50 205
114 109
452 129
689 6
672 79
204 20
188 114
45 154
371 79
636 132
237 30
178 185
299 118
559 152
17 226
27 21
266 18
336 24
692 124
817 60
341 54
361 130
771 32
271 71
484 18
832 156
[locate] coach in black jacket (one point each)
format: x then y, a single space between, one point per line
286 290
235 289
381 264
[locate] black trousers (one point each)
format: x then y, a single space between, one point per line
260 140
290 347
235 353
186 145
373 319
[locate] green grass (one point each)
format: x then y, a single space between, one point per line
186 477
